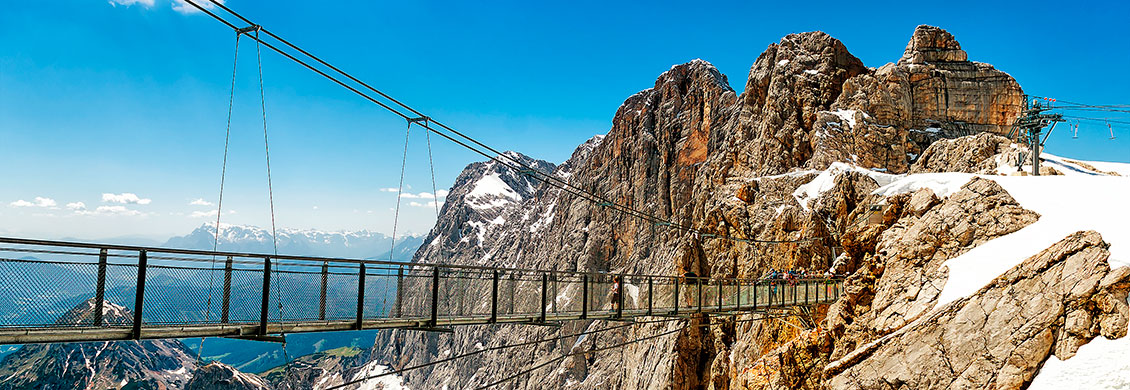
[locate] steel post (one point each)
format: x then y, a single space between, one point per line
322 296
623 287
738 288
544 294
360 297
650 296
699 287
400 291
494 298
100 288
435 297
266 299
584 296
139 297
677 300
719 294
225 304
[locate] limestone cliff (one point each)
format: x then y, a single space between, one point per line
764 165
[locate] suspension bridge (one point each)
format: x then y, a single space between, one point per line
134 292
81 292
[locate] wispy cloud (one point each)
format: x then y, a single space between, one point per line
125 198
127 3
76 206
200 202
183 7
38 202
111 211
209 213
429 204
421 195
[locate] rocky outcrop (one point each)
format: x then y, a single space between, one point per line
216 376
908 256
896 275
1053 302
887 117
981 153
145 364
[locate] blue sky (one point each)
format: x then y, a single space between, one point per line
104 98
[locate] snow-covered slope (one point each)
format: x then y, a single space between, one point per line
1081 199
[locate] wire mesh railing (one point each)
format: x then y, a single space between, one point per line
67 285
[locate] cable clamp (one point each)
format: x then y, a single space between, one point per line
248 29
423 119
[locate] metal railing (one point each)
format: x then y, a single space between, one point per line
67 291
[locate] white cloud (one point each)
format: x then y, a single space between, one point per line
315 207
111 211
76 206
209 213
200 202
39 202
125 198
429 204
145 3
421 195
183 7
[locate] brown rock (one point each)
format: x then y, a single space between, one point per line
932 44
970 154
1000 336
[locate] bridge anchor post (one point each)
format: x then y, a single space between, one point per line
265 301
100 289
139 298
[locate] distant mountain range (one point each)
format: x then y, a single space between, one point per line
243 238
244 355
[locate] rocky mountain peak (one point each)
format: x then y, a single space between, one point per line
216 375
83 314
932 44
145 364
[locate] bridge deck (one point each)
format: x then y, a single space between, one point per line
72 292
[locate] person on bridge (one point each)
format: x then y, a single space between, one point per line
616 292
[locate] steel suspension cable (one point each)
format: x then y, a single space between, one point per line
400 190
562 357
654 336
496 348
498 156
270 195
220 201
432 167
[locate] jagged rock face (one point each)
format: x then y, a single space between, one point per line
216 376
690 151
886 117
911 252
788 85
146 364
482 193
1055 301
896 274
930 45
976 154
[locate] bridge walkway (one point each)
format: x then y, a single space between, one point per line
56 291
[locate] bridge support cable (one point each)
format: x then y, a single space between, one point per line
497 348
220 201
400 190
457 137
